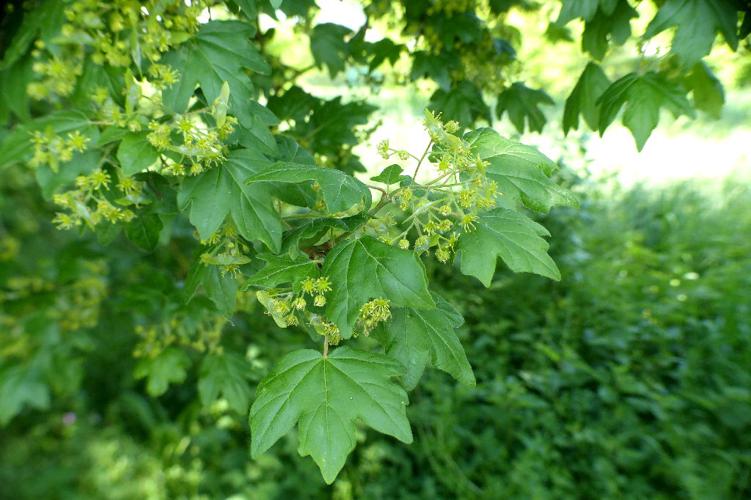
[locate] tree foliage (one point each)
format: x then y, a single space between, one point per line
177 126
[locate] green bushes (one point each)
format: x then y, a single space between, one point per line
628 379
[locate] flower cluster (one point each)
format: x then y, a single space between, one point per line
480 57
372 314
132 36
316 288
292 307
198 147
195 328
226 250
439 211
76 303
58 73
90 203
51 149
326 329
480 65
118 33
386 152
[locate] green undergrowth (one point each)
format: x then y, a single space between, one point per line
627 379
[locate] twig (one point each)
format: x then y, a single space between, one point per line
419 162
377 189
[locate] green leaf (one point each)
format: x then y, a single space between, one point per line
364 269
697 23
281 269
583 99
43 23
608 26
325 397
462 103
341 192
390 175
144 231
643 97
326 126
220 288
135 153
209 197
511 236
226 375
220 52
523 103
223 190
522 172
248 8
310 233
328 46
708 94
383 50
437 67
111 134
276 3
13 83
20 387
418 338
169 367
571 9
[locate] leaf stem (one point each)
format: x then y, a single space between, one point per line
377 188
325 347
419 162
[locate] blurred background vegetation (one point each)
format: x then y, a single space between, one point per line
630 378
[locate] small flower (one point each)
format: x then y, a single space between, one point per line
63 200
65 221
291 320
280 306
128 185
184 125
99 179
373 313
101 94
404 196
468 222
383 149
451 127
467 198
308 285
404 244
77 141
323 285
442 255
